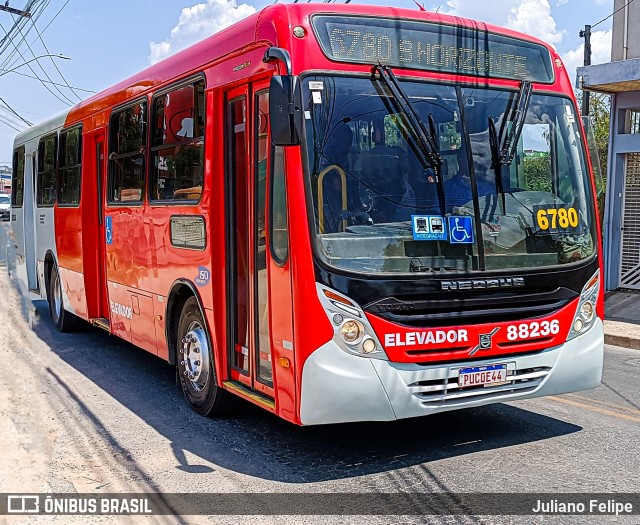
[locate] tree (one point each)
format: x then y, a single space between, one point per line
599 113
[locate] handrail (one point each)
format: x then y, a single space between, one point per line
343 179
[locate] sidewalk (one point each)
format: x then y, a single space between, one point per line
622 319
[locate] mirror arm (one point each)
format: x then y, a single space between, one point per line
277 53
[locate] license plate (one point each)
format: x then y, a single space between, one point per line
482 375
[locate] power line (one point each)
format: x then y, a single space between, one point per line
53 83
66 100
607 18
54 63
15 112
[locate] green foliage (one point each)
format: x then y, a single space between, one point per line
599 113
537 173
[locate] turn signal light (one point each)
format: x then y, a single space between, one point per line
284 362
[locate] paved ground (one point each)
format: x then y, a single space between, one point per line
88 412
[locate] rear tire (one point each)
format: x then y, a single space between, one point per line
64 320
195 365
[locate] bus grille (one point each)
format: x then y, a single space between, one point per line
475 308
447 392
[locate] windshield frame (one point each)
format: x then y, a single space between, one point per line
480 84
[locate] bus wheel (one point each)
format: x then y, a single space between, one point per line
195 364
64 320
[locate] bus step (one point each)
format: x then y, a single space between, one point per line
244 391
103 323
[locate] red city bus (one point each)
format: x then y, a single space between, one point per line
336 212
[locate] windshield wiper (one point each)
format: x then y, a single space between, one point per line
426 139
504 146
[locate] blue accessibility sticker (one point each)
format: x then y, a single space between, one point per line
108 229
428 228
461 229
204 275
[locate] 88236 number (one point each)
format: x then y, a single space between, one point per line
533 330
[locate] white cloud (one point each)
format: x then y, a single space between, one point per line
528 16
561 2
600 52
198 22
533 17
476 10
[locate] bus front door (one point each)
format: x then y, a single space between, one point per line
250 317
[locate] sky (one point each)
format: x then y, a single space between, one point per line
107 41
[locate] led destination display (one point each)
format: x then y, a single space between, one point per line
432 47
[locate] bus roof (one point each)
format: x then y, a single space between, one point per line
42 128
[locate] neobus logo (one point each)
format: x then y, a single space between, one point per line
483 284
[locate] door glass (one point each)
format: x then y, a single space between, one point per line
240 196
262 290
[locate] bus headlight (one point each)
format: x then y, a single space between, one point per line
351 332
586 311
351 329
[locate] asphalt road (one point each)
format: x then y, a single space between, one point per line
93 413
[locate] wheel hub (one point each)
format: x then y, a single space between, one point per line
57 295
195 350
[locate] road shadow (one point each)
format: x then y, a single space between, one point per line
257 443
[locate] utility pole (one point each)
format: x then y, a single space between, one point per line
586 34
13 11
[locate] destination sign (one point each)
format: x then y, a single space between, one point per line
433 47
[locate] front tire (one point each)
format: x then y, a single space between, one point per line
195 365
64 320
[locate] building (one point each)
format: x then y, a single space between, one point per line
621 79
5 179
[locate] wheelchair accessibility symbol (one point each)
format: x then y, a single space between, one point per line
460 229
108 229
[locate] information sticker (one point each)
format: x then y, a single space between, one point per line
461 229
429 228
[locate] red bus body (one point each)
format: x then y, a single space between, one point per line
121 269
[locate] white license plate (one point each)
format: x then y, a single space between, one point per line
482 375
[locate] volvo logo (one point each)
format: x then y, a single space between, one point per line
484 342
483 284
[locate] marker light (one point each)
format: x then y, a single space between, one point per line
350 332
337 318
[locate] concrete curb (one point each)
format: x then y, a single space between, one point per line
625 342
617 333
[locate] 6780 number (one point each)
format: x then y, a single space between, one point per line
532 330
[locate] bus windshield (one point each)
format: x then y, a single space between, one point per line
378 206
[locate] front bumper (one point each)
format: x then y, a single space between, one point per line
338 387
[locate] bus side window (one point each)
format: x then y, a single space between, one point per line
17 178
279 227
128 137
47 167
70 158
177 144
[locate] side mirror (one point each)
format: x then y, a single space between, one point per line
285 110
